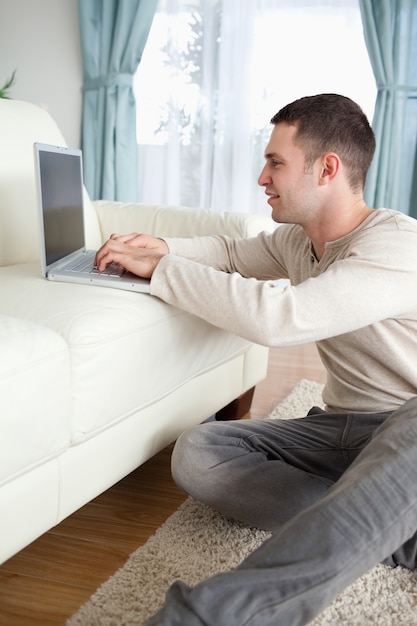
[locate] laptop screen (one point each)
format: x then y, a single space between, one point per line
61 191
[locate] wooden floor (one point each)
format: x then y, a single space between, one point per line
47 581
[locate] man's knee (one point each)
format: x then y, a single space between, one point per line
188 463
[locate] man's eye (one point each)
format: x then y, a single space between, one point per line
276 163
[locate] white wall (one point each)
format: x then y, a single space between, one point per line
40 38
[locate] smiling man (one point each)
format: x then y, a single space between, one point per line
318 184
352 272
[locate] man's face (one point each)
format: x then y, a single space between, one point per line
291 190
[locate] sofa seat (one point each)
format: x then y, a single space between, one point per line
101 329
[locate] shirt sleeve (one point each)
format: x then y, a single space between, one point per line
352 293
258 257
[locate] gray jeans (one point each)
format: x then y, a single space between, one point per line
263 472
368 514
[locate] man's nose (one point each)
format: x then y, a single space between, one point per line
264 178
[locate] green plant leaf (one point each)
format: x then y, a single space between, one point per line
9 82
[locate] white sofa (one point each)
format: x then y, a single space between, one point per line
94 381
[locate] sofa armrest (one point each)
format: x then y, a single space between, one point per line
176 221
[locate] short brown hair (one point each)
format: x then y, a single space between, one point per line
332 123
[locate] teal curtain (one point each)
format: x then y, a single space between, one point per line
390 30
113 36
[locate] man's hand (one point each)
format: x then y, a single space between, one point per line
139 254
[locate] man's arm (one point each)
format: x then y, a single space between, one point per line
258 257
336 302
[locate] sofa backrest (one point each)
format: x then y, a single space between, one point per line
21 125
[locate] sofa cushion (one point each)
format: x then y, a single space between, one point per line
35 399
126 350
22 124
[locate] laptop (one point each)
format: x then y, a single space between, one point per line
64 256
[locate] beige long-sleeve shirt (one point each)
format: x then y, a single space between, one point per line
358 303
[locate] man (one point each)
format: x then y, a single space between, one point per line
353 273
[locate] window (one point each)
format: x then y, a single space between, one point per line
213 74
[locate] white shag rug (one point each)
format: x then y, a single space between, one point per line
196 542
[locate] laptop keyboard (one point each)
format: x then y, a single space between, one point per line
86 266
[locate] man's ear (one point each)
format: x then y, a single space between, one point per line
330 165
